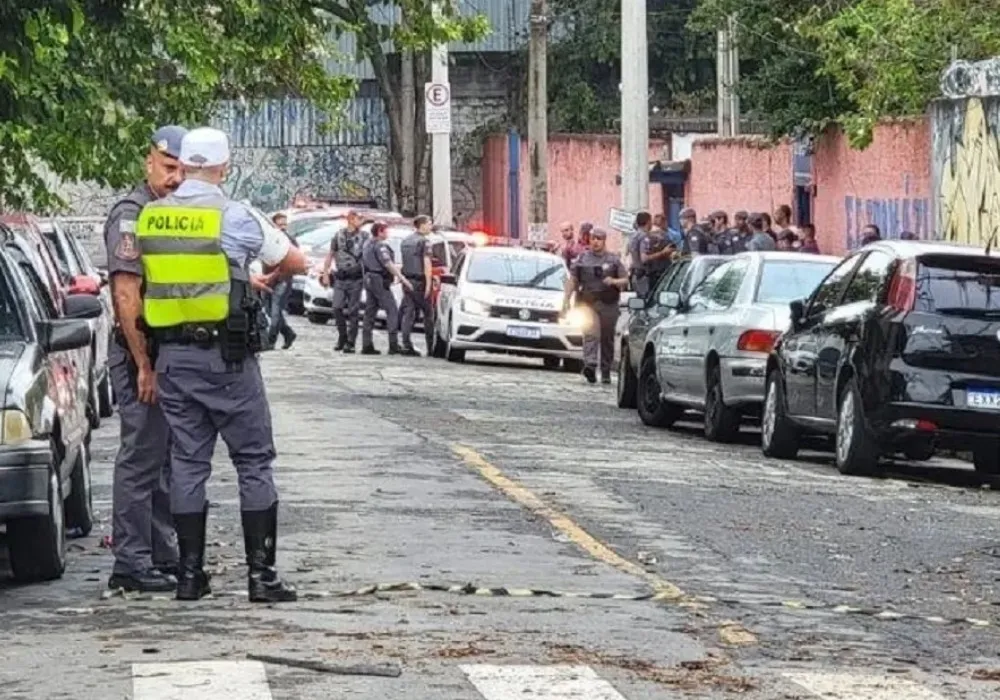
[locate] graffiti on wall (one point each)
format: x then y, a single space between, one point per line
893 216
271 177
967 166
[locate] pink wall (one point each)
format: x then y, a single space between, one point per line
742 173
888 184
583 172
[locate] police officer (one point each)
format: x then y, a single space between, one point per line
639 234
598 278
416 262
696 239
142 534
197 307
655 255
345 255
380 272
729 240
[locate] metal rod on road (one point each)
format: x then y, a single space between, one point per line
441 142
538 123
635 107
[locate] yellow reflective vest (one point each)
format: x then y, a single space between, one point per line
187 278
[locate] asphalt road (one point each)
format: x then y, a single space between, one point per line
771 579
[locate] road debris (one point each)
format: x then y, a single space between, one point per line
381 670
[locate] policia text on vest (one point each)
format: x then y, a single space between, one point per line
191 295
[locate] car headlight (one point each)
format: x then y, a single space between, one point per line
577 318
476 308
15 427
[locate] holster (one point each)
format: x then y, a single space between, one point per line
239 335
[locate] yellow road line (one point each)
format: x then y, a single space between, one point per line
564 524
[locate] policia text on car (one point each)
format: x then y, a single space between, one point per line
202 321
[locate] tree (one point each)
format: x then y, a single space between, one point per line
585 62
421 24
84 82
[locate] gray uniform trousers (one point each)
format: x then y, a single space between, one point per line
599 338
378 296
203 398
346 306
412 303
142 531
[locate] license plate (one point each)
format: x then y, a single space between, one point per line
526 332
983 398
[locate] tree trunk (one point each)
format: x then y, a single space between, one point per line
408 107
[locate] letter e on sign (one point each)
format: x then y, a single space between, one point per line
437 108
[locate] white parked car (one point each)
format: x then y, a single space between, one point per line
508 300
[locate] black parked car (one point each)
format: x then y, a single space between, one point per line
44 431
897 351
645 312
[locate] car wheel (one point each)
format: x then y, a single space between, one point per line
627 381
779 438
453 354
79 507
986 458
38 544
574 366
439 349
856 451
318 319
105 397
722 422
653 410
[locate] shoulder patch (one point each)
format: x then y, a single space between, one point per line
127 248
127 226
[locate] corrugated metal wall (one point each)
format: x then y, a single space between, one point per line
294 122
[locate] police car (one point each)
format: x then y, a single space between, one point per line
508 300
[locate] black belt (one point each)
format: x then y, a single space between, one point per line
187 334
380 273
352 274
416 278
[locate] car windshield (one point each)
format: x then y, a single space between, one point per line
959 288
302 226
320 235
10 319
786 280
534 272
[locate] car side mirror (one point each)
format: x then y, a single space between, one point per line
448 279
669 300
84 284
797 312
61 335
636 304
84 306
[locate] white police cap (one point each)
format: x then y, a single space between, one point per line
205 147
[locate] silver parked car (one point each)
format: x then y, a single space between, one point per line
710 355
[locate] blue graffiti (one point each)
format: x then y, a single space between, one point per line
892 216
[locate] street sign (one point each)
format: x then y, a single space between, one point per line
538 233
622 220
437 108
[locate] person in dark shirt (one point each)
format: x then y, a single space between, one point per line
279 298
870 234
809 244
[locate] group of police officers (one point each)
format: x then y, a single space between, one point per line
184 367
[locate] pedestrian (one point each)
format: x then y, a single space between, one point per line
345 257
783 222
870 234
655 256
597 279
786 240
142 533
197 308
380 272
760 240
585 228
729 240
741 221
809 244
640 229
415 253
569 247
768 227
908 236
696 240
279 298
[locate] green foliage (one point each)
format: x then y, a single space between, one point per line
84 82
585 57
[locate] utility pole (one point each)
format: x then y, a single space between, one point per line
538 122
439 90
635 107
407 179
733 74
727 70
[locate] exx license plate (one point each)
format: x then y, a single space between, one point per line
988 399
525 332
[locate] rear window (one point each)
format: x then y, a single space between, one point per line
10 319
65 267
958 287
787 280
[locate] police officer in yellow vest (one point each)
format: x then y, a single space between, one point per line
196 247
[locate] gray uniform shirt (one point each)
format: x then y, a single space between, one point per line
635 248
376 257
761 242
590 269
347 249
415 248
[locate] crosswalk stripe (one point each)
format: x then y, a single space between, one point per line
847 686
200 680
539 683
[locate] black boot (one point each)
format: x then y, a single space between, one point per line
393 345
369 350
260 531
192 581
341 343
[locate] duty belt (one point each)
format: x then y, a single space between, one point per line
187 334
